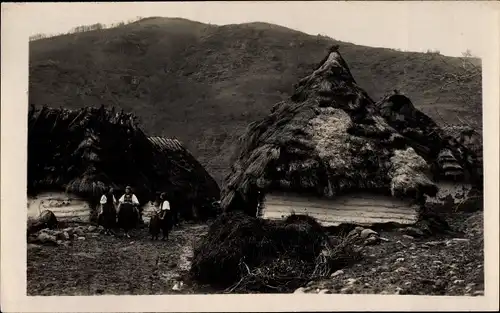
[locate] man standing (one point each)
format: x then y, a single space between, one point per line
165 215
128 212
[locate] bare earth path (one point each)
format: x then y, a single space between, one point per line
110 265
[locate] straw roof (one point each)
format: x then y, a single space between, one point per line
85 151
450 158
327 139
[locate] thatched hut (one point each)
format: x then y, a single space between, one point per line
74 155
329 153
454 155
196 200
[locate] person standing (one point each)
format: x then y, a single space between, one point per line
107 214
165 215
128 213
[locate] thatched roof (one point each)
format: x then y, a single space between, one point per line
450 159
186 175
327 139
85 151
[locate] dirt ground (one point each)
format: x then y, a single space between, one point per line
139 266
103 264
443 265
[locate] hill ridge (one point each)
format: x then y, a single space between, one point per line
204 84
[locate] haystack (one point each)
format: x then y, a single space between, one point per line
82 152
327 140
246 254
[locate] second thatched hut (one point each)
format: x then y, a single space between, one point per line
330 153
75 155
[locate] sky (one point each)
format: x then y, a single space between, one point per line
449 27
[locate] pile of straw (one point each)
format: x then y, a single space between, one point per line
246 254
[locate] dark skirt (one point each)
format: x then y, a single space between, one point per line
107 219
127 217
167 222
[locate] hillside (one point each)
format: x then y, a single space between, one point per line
204 84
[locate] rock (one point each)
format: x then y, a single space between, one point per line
324 291
59 242
408 237
178 286
79 232
355 232
399 290
337 273
399 260
384 239
372 240
458 281
437 262
81 238
32 246
365 233
351 281
346 290
46 238
413 231
478 293
434 243
408 283
91 229
401 270
62 236
65 235
300 290
457 240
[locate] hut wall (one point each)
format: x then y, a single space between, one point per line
450 193
361 209
66 207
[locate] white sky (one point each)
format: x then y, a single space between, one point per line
450 27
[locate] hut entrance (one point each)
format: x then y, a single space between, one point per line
360 208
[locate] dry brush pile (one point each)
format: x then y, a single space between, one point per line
246 254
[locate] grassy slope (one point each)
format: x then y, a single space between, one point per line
204 84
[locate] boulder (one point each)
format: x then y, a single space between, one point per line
365 233
45 238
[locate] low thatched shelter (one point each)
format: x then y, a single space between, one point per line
328 151
74 155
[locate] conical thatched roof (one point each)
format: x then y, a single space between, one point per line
327 139
85 151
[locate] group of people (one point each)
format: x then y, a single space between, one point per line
126 212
